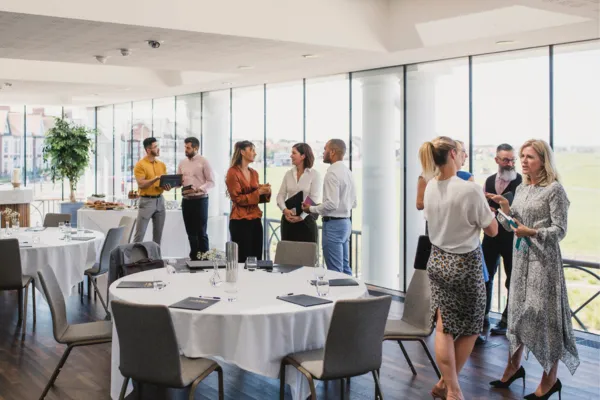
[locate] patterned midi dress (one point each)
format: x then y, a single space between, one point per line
539 316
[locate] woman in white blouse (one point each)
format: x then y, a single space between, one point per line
301 177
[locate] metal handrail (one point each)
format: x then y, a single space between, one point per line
584 266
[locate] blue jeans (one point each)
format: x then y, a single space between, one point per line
336 245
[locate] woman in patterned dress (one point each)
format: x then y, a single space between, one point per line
539 317
456 212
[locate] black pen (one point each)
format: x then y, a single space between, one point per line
209 297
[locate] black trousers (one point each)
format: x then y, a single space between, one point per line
303 231
493 249
248 234
195 218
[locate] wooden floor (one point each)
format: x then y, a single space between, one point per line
25 366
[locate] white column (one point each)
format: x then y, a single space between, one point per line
215 147
381 209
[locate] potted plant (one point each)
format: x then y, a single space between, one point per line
67 148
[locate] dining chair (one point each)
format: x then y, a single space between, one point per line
296 253
12 278
72 335
149 352
111 242
352 347
52 220
129 224
415 324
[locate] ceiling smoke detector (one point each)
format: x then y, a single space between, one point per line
101 59
7 84
125 52
155 44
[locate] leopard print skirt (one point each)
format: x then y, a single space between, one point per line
457 291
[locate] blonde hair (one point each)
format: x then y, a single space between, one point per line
434 154
236 158
548 173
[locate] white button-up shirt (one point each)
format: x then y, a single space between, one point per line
339 192
309 183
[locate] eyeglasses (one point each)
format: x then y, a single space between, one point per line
507 160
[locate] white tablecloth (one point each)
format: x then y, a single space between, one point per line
68 260
174 238
254 333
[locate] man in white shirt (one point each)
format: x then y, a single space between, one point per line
339 198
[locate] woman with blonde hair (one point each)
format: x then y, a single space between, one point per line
456 211
539 317
246 194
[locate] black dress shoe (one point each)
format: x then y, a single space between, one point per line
557 387
503 385
499 329
481 340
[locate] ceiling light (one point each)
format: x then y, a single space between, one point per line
310 56
7 84
504 42
125 52
227 83
245 67
101 59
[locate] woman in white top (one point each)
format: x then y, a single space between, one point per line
301 177
456 211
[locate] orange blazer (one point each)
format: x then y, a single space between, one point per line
244 195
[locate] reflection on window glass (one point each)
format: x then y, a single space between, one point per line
284 129
164 132
105 153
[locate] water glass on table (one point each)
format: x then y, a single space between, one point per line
251 263
67 230
80 228
61 227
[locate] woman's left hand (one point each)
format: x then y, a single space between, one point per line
293 219
524 231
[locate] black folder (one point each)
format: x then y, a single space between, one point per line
339 282
304 300
295 202
171 180
194 303
135 285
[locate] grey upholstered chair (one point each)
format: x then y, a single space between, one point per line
72 335
52 220
129 224
149 352
296 253
111 242
415 324
12 278
352 348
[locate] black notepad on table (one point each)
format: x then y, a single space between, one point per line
135 285
295 203
171 180
194 303
304 300
339 282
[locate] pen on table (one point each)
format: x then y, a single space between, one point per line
289 294
210 297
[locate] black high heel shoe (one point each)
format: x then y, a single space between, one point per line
503 385
557 387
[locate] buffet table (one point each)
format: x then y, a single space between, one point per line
174 238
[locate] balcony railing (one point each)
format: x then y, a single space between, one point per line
592 269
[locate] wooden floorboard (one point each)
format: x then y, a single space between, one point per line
26 366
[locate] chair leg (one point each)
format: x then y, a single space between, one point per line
33 298
342 388
89 287
124 389
433 364
282 380
57 371
20 301
95 284
378 393
410 364
193 388
221 388
99 295
25 313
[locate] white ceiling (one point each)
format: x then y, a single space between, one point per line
47 48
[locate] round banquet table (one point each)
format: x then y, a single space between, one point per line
68 260
255 332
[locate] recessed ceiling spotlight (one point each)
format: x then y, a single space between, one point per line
101 59
245 67
227 83
310 56
504 42
125 52
155 44
7 84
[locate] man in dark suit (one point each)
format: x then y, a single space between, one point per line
504 182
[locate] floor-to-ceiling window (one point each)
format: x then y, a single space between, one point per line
141 129
104 151
164 132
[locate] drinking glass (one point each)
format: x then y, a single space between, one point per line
80 228
251 263
67 230
322 285
61 227
35 237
